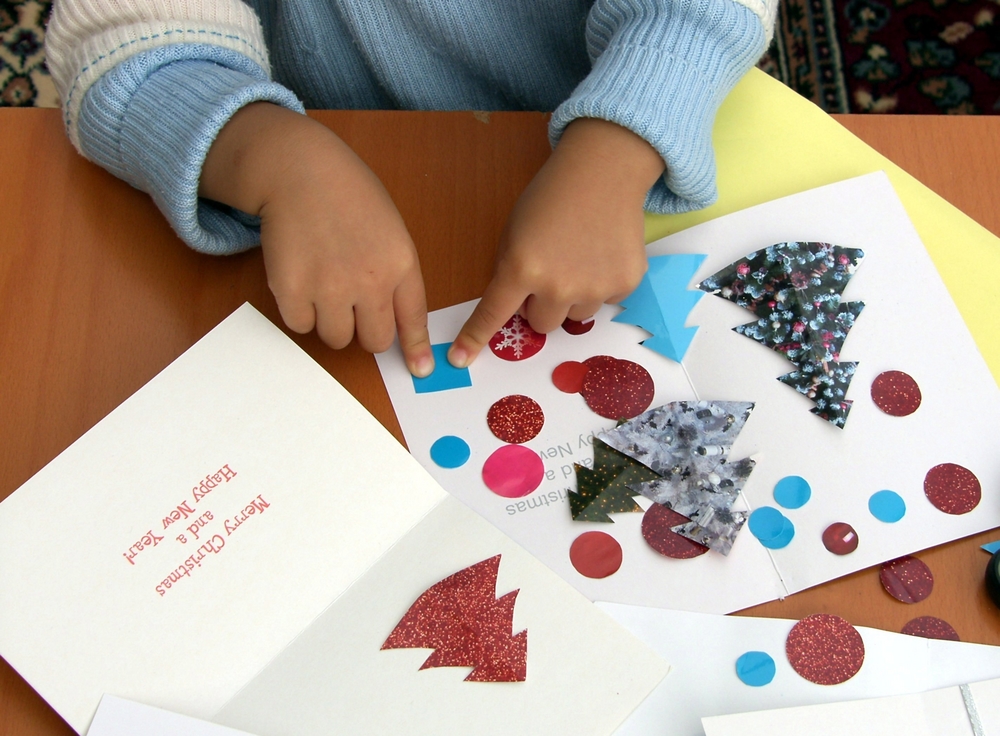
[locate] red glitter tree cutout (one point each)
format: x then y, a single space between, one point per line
466 625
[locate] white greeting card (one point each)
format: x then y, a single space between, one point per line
121 717
909 324
967 710
242 504
704 649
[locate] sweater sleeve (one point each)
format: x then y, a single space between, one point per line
146 87
661 68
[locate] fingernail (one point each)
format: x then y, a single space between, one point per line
423 366
458 357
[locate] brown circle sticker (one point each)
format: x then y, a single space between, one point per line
515 419
930 627
906 579
825 649
656 530
952 488
840 538
596 554
896 393
616 389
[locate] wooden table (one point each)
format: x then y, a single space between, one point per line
97 295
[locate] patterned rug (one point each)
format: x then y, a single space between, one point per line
898 56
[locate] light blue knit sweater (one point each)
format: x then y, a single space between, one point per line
658 67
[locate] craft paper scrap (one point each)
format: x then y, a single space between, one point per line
120 717
971 709
242 502
705 680
946 482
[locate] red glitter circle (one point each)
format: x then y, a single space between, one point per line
840 538
617 389
578 328
906 579
930 627
825 649
896 393
596 554
568 376
656 523
952 488
516 340
515 419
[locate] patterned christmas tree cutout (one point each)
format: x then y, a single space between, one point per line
661 304
796 291
466 625
605 489
687 444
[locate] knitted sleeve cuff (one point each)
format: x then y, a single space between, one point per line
663 75
151 120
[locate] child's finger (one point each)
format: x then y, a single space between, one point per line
335 325
583 311
545 315
374 324
410 305
499 303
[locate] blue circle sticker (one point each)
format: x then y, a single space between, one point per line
755 668
887 506
450 451
792 492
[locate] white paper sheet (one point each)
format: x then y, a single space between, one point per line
945 711
183 543
703 650
120 717
909 324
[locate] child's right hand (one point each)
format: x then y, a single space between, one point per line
337 253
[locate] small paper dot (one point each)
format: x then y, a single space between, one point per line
568 376
825 649
907 579
596 554
450 451
755 668
578 328
952 488
896 393
515 419
887 506
840 538
513 471
766 522
616 389
792 492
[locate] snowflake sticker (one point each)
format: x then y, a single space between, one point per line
516 340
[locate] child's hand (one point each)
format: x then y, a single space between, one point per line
575 238
337 253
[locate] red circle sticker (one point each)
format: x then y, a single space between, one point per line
930 627
596 554
578 328
616 389
516 340
513 471
515 419
568 376
825 649
656 530
896 393
952 488
906 579
840 538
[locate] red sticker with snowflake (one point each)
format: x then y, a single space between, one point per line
515 419
930 627
657 525
825 649
466 625
952 488
616 389
516 340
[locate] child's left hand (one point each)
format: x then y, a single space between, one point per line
575 239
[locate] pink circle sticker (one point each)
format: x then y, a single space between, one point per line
513 471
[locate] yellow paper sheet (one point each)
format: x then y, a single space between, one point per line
771 143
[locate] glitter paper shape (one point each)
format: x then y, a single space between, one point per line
930 627
568 376
755 669
616 389
595 555
516 340
515 419
513 471
578 328
658 525
450 452
896 393
795 291
661 303
445 376
466 625
606 489
952 488
840 538
792 492
887 506
825 649
687 444
906 579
